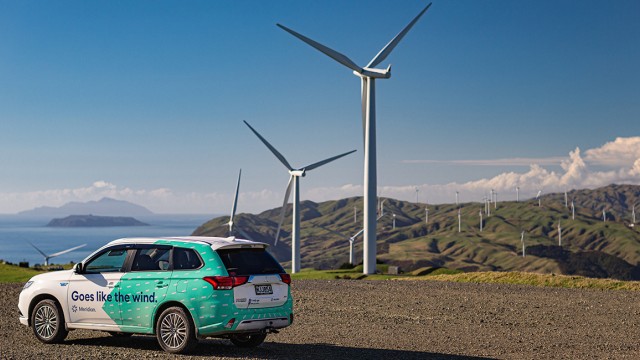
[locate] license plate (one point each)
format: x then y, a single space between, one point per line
264 290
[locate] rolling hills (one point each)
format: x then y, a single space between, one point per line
590 247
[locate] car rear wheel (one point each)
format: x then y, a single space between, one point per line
47 321
175 331
248 340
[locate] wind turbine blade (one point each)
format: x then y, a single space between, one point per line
392 44
43 254
244 234
235 202
320 163
357 234
273 150
284 207
66 251
342 59
332 231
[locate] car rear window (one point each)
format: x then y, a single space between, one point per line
249 262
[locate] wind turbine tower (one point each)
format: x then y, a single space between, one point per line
426 217
559 234
417 190
459 221
538 197
517 193
566 204
495 202
633 214
480 213
294 183
355 214
394 221
573 210
368 75
522 241
457 202
604 215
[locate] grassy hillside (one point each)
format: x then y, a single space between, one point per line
605 249
12 273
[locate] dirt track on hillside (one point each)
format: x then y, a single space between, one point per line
345 319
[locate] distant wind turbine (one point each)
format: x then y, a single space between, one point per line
559 234
355 214
426 218
234 206
457 202
368 74
633 214
517 193
522 241
573 211
417 190
480 213
394 221
538 197
495 202
604 215
459 221
566 204
294 183
47 257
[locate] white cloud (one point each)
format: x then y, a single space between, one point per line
619 152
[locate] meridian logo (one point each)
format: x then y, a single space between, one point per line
74 308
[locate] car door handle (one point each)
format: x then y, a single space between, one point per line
161 284
111 285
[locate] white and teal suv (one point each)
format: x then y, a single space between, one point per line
180 289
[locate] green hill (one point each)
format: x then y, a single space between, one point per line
590 246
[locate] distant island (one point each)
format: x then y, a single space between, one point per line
95 221
103 207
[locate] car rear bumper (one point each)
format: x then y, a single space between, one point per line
262 324
24 320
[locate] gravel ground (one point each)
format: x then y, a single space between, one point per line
345 319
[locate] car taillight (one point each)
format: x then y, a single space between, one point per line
286 278
225 282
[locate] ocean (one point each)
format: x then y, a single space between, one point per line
16 233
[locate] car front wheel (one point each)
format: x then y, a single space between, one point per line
47 322
248 340
175 331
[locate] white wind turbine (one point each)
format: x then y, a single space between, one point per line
47 257
538 197
367 74
480 213
573 210
294 182
633 214
522 241
559 234
604 215
459 221
517 193
457 203
566 203
234 206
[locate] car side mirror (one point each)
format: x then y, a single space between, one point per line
77 268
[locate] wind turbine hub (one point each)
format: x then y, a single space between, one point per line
298 172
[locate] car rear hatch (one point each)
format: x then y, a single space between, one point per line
259 280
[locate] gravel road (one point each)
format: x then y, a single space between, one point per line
348 319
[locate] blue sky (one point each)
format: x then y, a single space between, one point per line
144 100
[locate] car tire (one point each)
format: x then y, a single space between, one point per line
47 322
175 331
247 340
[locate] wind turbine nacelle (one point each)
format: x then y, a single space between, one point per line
298 173
375 73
